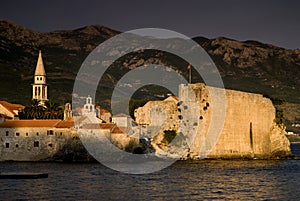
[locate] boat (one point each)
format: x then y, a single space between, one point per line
23 175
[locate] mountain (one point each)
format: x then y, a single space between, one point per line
244 65
256 67
63 54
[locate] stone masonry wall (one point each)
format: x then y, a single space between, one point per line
31 144
249 130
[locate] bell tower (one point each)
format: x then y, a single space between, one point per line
39 88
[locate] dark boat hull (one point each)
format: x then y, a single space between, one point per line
23 175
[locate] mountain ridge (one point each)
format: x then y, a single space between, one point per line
244 65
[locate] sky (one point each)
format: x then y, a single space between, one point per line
269 21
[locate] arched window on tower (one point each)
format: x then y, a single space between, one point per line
43 92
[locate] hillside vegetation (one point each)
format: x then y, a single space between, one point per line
244 65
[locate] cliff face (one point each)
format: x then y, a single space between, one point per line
160 116
280 145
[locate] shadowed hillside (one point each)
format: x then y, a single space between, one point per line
248 66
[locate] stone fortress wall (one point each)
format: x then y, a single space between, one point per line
249 129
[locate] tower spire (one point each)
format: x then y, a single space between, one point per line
40 70
39 88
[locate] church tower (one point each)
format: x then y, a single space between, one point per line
39 88
88 108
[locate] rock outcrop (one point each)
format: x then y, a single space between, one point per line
249 129
280 145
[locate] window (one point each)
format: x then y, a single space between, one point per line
50 145
60 133
7 145
26 134
17 145
37 133
6 133
50 132
17 134
36 144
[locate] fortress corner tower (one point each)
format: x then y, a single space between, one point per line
39 87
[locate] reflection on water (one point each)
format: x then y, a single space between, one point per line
184 180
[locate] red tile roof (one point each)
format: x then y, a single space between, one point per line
65 124
5 116
118 130
98 126
11 107
122 115
29 123
107 126
91 126
103 111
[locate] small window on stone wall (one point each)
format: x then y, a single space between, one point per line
26 134
60 133
17 145
50 132
37 133
6 133
50 145
36 144
7 145
17 134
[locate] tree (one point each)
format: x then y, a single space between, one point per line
53 110
279 116
35 110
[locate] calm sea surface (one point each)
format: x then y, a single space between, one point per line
197 180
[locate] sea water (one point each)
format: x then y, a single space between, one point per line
184 180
